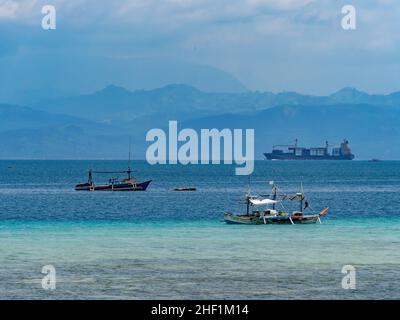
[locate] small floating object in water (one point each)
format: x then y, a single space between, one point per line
375 160
185 189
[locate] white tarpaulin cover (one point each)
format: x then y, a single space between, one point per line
259 202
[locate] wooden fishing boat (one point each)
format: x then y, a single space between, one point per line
268 218
128 184
271 215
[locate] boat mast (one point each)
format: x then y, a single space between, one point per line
301 203
90 179
301 197
129 171
274 192
248 196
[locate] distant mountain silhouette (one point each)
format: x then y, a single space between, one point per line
116 105
98 124
26 133
70 142
112 91
13 117
372 130
88 73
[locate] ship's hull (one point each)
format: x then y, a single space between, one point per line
272 156
113 187
256 220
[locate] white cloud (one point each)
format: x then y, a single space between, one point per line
156 11
279 4
8 9
16 10
253 39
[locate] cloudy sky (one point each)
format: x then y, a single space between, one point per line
282 45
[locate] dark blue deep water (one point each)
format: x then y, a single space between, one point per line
44 190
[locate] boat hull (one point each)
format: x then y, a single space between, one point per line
255 220
290 156
114 187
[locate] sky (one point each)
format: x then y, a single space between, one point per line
216 45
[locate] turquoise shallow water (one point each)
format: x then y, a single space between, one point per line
165 244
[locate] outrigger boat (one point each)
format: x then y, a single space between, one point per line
127 184
270 215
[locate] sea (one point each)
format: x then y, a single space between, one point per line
164 244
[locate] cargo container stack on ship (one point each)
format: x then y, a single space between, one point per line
294 152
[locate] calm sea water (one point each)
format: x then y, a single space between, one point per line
162 244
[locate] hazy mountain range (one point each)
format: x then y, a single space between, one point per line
98 125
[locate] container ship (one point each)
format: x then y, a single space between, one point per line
294 152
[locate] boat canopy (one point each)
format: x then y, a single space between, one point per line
259 202
297 197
